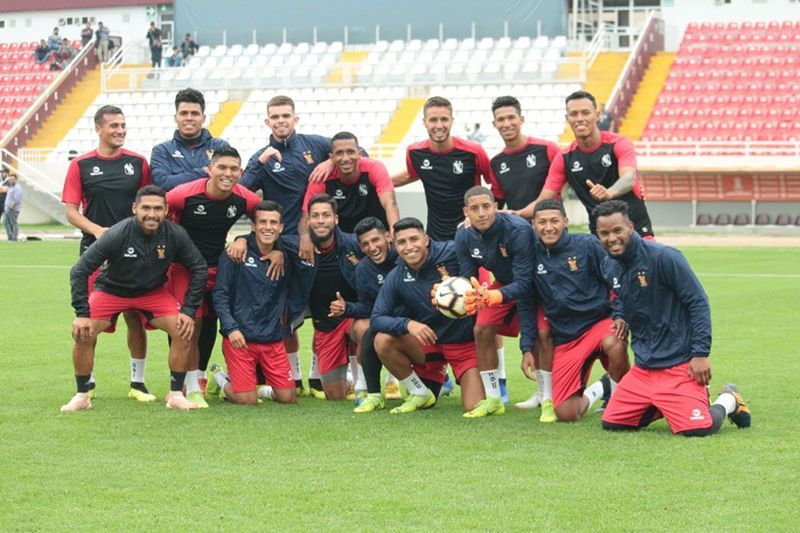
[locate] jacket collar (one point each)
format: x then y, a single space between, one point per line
205 136
285 143
632 250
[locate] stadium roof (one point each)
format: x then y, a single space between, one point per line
49 5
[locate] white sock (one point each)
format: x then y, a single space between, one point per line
491 383
137 370
726 400
221 378
613 384
192 382
539 384
313 372
414 385
390 378
265 391
593 392
547 385
91 377
361 382
352 370
294 362
501 363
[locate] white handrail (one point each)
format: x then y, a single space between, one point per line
651 18
31 173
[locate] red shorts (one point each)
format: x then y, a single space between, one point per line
242 363
113 327
435 371
178 278
154 304
643 395
572 361
331 346
461 356
541 320
504 315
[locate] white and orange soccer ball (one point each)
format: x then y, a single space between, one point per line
449 297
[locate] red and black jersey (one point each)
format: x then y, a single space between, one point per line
446 176
601 165
208 220
521 173
104 187
359 199
329 279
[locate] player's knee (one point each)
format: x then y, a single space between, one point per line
610 426
700 432
383 342
545 336
484 333
612 345
566 412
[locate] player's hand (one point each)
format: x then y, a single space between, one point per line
321 172
237 250
337 306
185 326
82 329
473 297
236 339
99 232
277 266
307 249
528 367
269 152
422 332
621 329
700 370
599 192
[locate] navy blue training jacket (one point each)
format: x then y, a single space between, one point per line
176 162
369 280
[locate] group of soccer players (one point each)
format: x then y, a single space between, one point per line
327 239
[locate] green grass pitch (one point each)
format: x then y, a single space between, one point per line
318 466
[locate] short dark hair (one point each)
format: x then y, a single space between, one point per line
579 95
99 116
190 96
506 101
225 151
150 190
269 205
280 99
436 101
477 190
548 205
609 207
368 224
324 198
344 136
408 223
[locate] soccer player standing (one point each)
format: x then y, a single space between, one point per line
670 322
99 190
137 253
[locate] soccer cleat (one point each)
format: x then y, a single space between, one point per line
92 393
196 398
548 413
369 404
392 392
316 393
415 403
360 397
531 403
741 416
351 394
300 391
141 396
447 387
606 380
504 391
179 401
489 406
78 402
213 390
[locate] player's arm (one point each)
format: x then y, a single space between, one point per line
680 276
254 173
92 258
484 168
467 267
380 180
556 179
403 178
626 159
382 318
162 174
79 220
223 293
521 244
366 301
189 256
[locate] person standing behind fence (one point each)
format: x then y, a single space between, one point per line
102 33
154 40
11 207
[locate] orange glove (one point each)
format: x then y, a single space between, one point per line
480 297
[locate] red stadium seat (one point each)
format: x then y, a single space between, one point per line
763 219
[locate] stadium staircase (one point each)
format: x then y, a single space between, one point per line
398 127
227 112
635 121
348 63
600 80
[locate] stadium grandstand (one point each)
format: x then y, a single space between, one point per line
707 90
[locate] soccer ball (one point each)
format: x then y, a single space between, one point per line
450 297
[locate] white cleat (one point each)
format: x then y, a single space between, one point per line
78 402
179 401
531 403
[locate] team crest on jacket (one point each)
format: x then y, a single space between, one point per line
458 167
308 157
209 154
641 276
442 270
352 258
161 250
503 250
362 189
232 212
572 262
128 168
530 161
606 160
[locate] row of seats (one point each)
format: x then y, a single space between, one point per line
743 219
27 79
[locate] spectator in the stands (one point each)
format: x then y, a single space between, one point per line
103 37
86 34
476 135
188 47
63 55
12 207
606 120
175 59
154 40
42 52
54 41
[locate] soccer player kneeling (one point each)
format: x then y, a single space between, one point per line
250 306
137 252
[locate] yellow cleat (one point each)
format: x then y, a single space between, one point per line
196 398
415 403
392 392
487 407
369 404
548 414
141 396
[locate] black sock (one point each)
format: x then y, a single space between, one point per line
176 380
298 383
91 385
370 363
315 383
205 343
83 383
434 386
139 386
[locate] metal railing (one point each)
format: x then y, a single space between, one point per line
42 191
717 149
